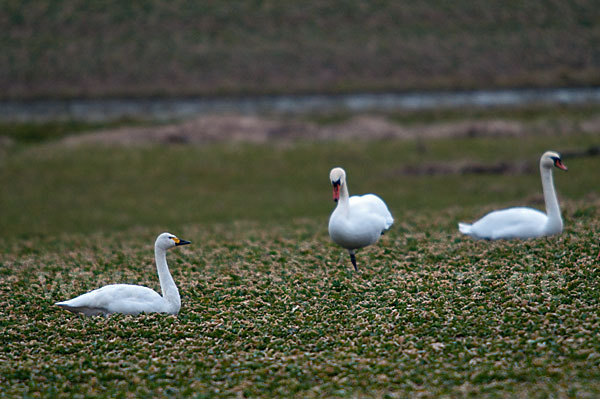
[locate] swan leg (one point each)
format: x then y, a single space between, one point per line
353 260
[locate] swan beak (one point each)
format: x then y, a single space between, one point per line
558 163
181 242
336 192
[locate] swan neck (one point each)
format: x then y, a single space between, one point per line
167 285
344 201
552 206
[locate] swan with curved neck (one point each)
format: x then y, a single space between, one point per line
134 299
524 222
356 221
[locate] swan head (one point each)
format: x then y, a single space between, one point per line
168 240
550 159
337 176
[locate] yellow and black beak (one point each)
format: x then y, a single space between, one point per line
180 242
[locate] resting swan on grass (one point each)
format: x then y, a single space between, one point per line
357 221
134 299
523 222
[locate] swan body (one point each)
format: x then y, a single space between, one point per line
522 222
134 299
356 221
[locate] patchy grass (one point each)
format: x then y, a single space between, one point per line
545 119
270 306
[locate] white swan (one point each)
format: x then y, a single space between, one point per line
356 221
523 222
134 299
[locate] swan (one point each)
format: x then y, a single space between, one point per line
356 221
522 222
134 299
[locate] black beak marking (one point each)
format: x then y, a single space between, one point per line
558 163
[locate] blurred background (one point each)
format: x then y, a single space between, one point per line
92 49
117 114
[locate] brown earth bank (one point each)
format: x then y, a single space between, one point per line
257 129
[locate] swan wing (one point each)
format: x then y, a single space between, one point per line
518 222
368 217
371 204
116 298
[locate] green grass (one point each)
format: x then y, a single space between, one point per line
74 48
270 306
49 189
550 114
36 132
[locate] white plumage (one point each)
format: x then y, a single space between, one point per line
356 221
134 299
521 222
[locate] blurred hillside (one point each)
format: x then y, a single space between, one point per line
89 48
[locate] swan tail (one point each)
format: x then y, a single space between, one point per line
63 304
86 310
389 222
464 228
74 309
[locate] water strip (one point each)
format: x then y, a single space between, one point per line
176 108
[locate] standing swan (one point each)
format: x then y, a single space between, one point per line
523 222
134 299
357 221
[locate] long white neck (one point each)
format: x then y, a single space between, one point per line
554 224
344 201
167 285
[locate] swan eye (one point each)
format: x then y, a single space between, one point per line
337 182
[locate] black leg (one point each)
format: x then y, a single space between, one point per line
353 259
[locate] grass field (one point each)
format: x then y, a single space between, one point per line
270 306
74 48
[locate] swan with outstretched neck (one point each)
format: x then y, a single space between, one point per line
522 222
356 221
134 299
